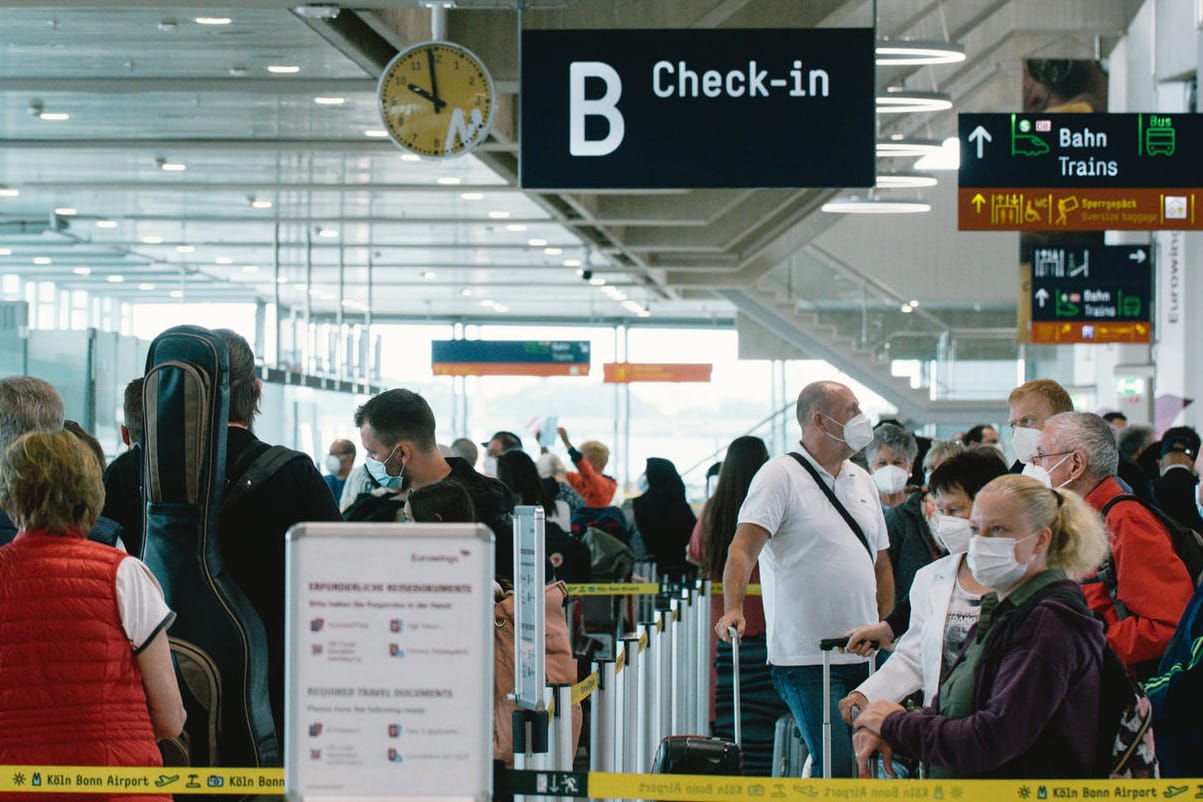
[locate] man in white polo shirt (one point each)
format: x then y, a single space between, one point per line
819 578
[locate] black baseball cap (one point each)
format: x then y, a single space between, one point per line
1180 438
508 439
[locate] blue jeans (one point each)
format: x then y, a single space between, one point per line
801 687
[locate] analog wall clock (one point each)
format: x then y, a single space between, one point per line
436 100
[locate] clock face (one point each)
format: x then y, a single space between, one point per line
436 100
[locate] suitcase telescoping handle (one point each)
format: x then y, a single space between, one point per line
734 635
826 646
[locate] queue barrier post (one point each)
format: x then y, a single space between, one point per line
633 710
603 714
682 629
649 698
702 662
664 644
561 728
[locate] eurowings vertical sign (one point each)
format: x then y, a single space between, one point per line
635 109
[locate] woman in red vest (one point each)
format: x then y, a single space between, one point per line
85 668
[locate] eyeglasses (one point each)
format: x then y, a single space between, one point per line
1039 456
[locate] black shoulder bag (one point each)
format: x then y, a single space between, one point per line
835 502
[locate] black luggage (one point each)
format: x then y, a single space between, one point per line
696 754
217 640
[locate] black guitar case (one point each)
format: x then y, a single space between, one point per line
217 641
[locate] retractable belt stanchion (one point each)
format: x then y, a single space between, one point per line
561 726
601 739
649 699
633 709
682 667
702 640
664 645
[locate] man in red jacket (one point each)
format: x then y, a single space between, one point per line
1152 585
595 487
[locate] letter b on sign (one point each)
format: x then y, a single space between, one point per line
579 109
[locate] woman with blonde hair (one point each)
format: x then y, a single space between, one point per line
1022 699
85 673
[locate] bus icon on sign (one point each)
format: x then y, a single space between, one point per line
1159 136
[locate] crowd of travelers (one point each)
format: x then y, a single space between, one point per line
997 600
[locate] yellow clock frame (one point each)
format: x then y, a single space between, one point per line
436 100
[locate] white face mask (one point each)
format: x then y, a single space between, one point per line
332 463
1025 441
858 432
992 561
1198 505
378 470
489 466
953 534
890 479
1044 475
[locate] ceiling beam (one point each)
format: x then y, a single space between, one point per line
362 145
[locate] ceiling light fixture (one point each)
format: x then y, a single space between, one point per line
328 233
54 116
410 157
213 20
260 204
171 167
948 157
536 243
283 69
146 286
902 101
553 251
175 294
906 148
916 52
516 227
375 133
185 248
329 101
223 260
106 223
429 275
448 180
42 260
466 292
498 214
905 181
326 11
859 205
65 211
82 271
115 279
250 268
9 192
472 196
152 240
572 263
6 251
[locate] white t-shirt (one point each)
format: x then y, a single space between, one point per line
817 578
964 608
144 612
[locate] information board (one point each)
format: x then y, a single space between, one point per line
629 372
510 357
529 609
1091 294
1079 172
375 615
718 107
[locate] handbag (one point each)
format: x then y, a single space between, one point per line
559 666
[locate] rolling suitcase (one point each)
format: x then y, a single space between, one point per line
789 750
826 646
697 754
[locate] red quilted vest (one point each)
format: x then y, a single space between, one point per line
70 691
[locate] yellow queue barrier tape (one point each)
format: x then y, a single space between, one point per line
635 589
709 788
585 688
132 780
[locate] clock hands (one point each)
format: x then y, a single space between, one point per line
435 99
434 83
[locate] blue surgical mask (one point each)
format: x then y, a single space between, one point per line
642 483
378 470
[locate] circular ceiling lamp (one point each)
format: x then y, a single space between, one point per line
905 102
855 204
915 52
905 148
903 180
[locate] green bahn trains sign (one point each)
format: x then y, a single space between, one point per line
1080 172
